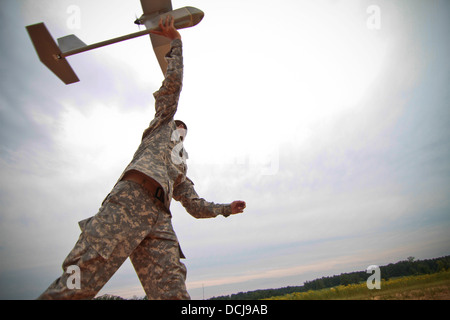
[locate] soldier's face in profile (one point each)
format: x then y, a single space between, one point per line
182 132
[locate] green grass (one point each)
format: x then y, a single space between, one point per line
421 287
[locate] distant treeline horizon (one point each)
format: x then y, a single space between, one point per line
403 268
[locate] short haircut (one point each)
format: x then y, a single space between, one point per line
179 122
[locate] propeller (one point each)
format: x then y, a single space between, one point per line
137 21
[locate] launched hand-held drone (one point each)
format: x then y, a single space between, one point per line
54 56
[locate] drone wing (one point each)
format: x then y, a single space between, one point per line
161 45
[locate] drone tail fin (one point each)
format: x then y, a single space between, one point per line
50 54
70 42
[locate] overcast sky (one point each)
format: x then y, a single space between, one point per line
329 118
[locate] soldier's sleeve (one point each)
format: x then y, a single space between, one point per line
166 98
196 206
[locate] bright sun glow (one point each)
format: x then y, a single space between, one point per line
105 138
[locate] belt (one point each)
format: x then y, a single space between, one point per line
151 186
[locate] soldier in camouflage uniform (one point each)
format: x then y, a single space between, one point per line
135 220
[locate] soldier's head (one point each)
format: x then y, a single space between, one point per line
181 128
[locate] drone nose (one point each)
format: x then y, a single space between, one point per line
197 15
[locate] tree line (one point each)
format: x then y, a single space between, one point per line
403 268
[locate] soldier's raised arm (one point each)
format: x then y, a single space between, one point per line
174 74
166 98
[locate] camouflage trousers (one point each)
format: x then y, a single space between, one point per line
130 223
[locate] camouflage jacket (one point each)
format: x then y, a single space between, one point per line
158 156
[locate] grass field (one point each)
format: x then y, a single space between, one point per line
421 287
